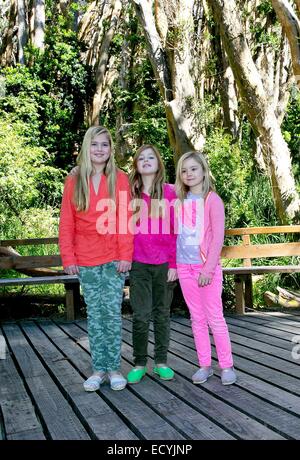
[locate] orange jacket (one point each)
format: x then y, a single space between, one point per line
83 236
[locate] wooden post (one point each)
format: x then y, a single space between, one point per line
72 300
248 291
239 294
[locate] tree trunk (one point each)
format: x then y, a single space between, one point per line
63 6
39 24
124 143
103 80
22 30
227 89
6 51
169 40
291 26
258 110
283 76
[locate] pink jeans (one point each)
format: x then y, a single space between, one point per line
206 310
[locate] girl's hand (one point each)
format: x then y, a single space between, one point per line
74 171
172 274
71 270
204 280
123 266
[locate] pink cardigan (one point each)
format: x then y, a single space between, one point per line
214 229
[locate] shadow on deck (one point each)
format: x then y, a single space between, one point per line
43 364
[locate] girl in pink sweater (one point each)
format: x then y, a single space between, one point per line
199 244
154 265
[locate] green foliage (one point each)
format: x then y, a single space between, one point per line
20 99
264 36
291 130
230 168
49 94
24 175
265 7
207 113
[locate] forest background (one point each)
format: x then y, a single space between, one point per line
181 74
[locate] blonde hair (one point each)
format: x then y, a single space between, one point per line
156 191
82 186
207 186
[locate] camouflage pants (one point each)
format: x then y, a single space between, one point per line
102 288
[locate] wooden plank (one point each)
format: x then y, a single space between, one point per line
61 279
240 425
29 241
58 416
95 414
262 230
270 369
238 399
261 250
238 336
27 435
260 328
237 423
275 316
18 413
261 338
290 316
228 232
288 329
246 242
263 388
256 327
19 262
146 423
253 385
259 270
191 422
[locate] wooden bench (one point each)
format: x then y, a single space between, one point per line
246 251
29 264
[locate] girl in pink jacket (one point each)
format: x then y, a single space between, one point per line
154 261
199 244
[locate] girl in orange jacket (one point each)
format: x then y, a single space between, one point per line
95 243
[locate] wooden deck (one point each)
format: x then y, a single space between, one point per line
45 363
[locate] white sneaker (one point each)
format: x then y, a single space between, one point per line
93 383
117 381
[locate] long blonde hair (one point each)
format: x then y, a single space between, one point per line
136 182
82 186
181 188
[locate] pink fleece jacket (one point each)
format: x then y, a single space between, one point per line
214 229
158 246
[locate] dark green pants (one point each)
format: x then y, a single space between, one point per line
150 296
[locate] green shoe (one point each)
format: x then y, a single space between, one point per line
136 375
165 373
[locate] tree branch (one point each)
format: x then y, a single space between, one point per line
291 26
